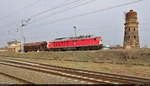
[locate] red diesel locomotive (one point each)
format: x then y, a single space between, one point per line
76 43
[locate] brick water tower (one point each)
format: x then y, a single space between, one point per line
131 35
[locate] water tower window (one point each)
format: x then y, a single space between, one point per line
134 37
129 29
134 29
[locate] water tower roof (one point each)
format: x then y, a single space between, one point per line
131 13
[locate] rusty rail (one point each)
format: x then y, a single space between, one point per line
95 77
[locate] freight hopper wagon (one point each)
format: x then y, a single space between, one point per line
37 46
76 43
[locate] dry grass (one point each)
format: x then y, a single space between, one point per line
125 69
136 57
132 62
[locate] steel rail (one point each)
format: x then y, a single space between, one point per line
122 80
102 74
55 73
104 78
16 78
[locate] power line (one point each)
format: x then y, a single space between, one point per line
56 7
93 12
21 9
88 13
67 9
59 6
40 13
45 11
31 4
100 10
12 13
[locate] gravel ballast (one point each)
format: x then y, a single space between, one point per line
34 76
7 80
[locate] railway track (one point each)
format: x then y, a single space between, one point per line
82 75
16 78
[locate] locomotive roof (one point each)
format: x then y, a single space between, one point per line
73 38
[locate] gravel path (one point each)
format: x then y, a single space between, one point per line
33 76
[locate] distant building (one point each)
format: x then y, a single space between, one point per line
14 46
131 35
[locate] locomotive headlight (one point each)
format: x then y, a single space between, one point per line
100 42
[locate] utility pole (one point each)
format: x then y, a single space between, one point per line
75 30
22 35
23 24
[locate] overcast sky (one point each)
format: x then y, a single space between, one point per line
61 17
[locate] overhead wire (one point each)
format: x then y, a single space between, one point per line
53 8
66 18
10 25
56 7
100 10
59 6
16 11
93 12
64 10
45 11
21 9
